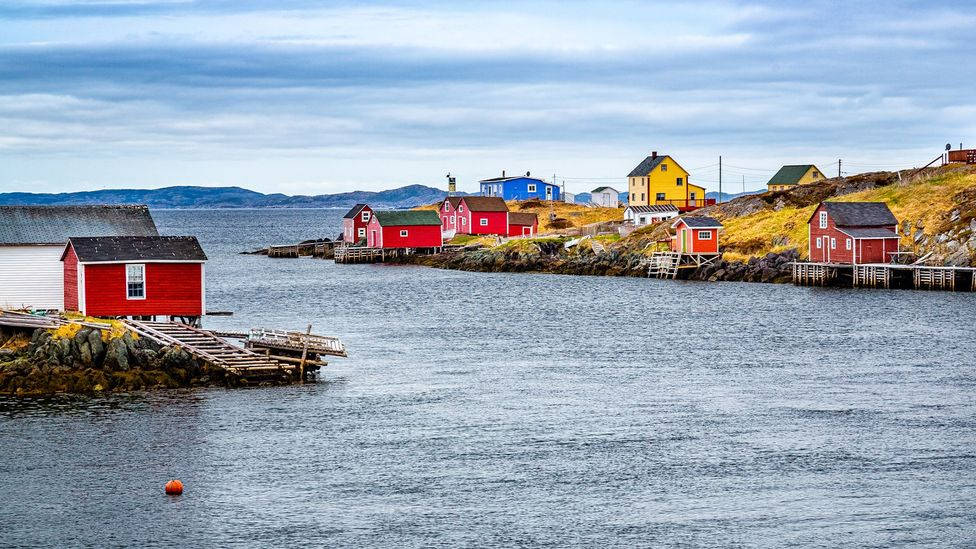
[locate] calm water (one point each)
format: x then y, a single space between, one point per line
522 410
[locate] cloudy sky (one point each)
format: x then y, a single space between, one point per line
317 97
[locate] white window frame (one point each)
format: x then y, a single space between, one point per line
484 221
403 233
664 167
704 235
531 187
142 267
364 215
848 244
818 244
823 220
833 243
460 208
463 221
361 232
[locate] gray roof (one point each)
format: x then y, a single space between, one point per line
354 212
137 248
647 165
656 208
55 224
699 222
859 214
869 232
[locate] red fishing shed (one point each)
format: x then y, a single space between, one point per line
482 215
522 224
354 223
404 229
695 235
448 213
135 276
852 233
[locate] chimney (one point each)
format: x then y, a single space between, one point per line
653 154
503 173
527 174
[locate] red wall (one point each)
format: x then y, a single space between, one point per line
70 280
447 213
355 224
497 223
418 236
868 250
516 230
171 289
696 245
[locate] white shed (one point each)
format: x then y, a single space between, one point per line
607 197
646 215
32 239
569 198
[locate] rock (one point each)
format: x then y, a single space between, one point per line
954 216
116 356
941 238
959 258
96 346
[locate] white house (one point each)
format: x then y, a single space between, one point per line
569 198
646 215
32 239
605 196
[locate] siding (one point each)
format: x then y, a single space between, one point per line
71 280
31 276
171 289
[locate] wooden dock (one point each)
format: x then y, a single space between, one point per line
885 275
668 264
365 254
313 248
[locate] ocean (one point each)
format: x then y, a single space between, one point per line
528 410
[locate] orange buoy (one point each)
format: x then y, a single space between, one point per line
174 487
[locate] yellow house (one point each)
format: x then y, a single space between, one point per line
799 174
661 180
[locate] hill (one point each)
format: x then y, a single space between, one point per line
230 197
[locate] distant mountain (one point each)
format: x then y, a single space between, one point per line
729 196
231 197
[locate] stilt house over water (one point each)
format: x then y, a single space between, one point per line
405 229
695 235
32 239
354 223
853 233
135 276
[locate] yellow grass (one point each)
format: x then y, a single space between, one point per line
113 328
576 214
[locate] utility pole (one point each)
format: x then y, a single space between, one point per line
743 184
719 179
838 167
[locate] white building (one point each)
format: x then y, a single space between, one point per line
32 239
607 197
569 198
646 215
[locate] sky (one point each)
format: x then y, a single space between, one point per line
305 97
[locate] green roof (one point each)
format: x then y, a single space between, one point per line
790 175
408 217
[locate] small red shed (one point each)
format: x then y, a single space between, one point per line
448 213
404 229
852 233
522 224
354 223
695 235
134 276
482 215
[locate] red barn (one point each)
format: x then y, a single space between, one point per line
354 223
482 215
448 213
852 232
134 276
404 229
695 235
522 224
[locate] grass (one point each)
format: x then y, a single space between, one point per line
576 215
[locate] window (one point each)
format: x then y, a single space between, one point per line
816 174
823 220
818 243
484 221
453 220
361 232
680 181
632 195
691 196
642 197
135 281
460 208
660 196
704 235
403 232
531 187
447 204
833 243
848 244
463 221
365 215
664 167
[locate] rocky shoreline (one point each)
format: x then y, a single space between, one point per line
552 259
90 361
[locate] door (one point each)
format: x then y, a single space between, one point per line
548 192
684 241
825 246
526 231
373 243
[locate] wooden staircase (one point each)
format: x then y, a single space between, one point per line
664 265
213 350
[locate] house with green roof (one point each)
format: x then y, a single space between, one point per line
409 229
797 174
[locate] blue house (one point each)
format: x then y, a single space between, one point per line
519 188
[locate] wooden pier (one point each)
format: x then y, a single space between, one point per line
313 248
885 275
668 264
365 254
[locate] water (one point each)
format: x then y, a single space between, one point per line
522 410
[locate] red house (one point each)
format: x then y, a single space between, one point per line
852 233
522 224
695 235
448 213
404 229
135 276
482 215
354 223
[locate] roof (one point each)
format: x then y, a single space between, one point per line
869 232
94 249
657 208
354 212
55 224
858 214
407 217
790 175
485 204
454 200
605 189
647 165
511 178
698 222
522 218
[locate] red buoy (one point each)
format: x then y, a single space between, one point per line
174 488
